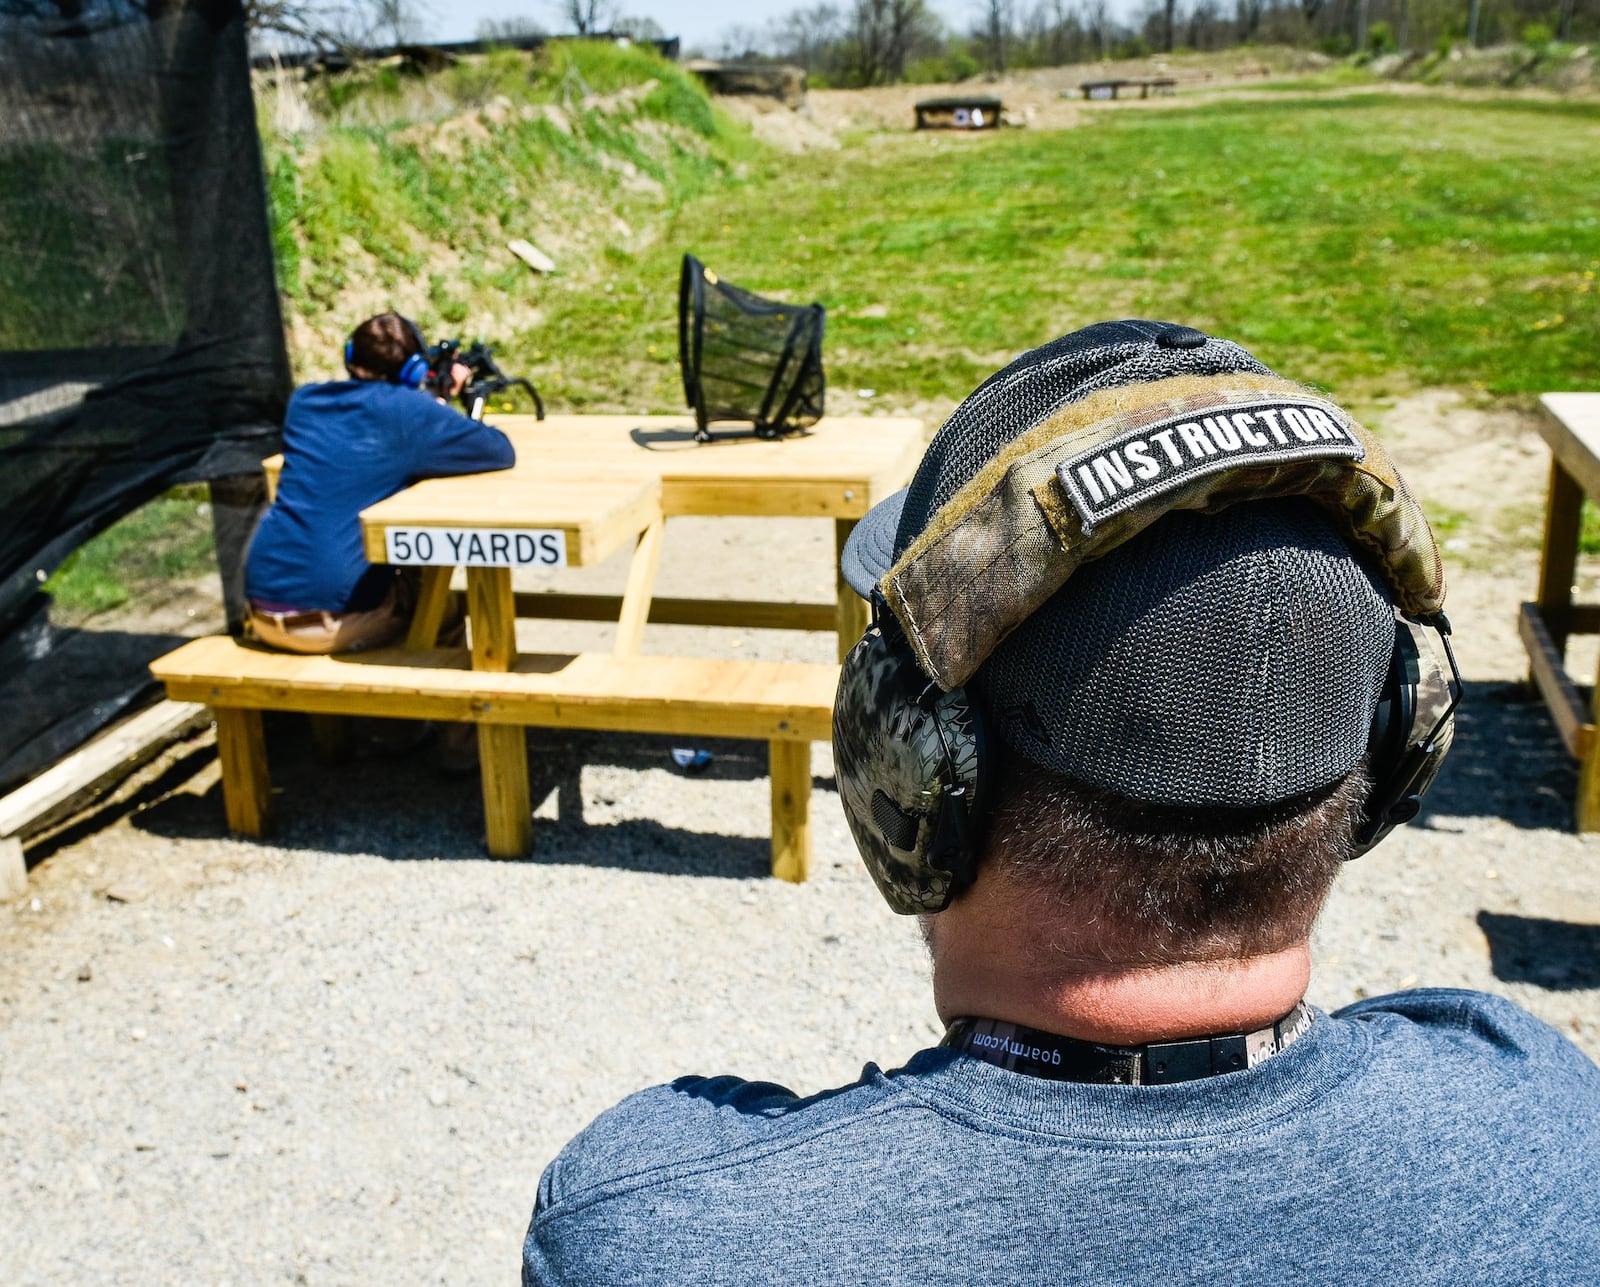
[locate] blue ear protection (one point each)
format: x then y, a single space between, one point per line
413 373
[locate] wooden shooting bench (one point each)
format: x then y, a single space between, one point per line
1571 425
959 112
839 469
1103 89
582 488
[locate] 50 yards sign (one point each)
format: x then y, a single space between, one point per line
476 547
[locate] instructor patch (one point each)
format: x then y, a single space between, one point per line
1157 458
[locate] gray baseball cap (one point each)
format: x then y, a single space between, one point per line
1225 659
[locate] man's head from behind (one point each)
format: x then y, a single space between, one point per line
387 348
1180 730
1128 562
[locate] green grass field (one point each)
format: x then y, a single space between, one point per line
167 540
1372 244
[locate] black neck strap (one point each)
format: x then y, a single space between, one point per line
1044 1054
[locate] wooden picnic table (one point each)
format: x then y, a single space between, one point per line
1571 425
839 469
581 488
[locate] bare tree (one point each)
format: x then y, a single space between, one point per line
803 36
519 28
393 21
996 33
881 34
1168 21
1203 25
639 29
588 17
739 43
1097 17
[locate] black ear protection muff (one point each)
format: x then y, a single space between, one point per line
413 373
1412 729
913 768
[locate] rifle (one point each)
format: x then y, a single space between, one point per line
487 378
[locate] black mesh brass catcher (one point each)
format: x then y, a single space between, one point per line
747 358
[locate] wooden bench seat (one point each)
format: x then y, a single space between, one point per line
789 704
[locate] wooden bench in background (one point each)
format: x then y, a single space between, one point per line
1103 89
788 704
1571 425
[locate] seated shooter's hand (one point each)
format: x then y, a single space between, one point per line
454 381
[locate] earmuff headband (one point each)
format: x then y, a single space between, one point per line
413 372
1104 468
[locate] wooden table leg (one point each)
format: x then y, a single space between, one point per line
246 786
853 615
641 586
432 599
330 734
1586 812
790 767
502 748
1558 555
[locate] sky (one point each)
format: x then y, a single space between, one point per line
697 22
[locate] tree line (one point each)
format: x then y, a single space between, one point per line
876 42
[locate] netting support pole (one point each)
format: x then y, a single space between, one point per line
237 503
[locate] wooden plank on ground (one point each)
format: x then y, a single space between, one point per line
87 773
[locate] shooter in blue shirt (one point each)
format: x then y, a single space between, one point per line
348 444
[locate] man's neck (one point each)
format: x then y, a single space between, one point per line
983 968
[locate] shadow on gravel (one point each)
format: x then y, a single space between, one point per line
396 803
1507 762
157 792
1560 955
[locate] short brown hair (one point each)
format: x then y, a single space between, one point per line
380 346
1144 884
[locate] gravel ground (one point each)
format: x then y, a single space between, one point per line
344 1056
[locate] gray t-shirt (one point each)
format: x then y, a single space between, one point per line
1432 1137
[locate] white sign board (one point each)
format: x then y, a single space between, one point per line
476 547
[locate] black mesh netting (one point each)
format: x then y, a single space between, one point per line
748 358
141 343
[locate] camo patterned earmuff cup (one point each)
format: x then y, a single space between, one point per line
902 757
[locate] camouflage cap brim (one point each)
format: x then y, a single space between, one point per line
1102 469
